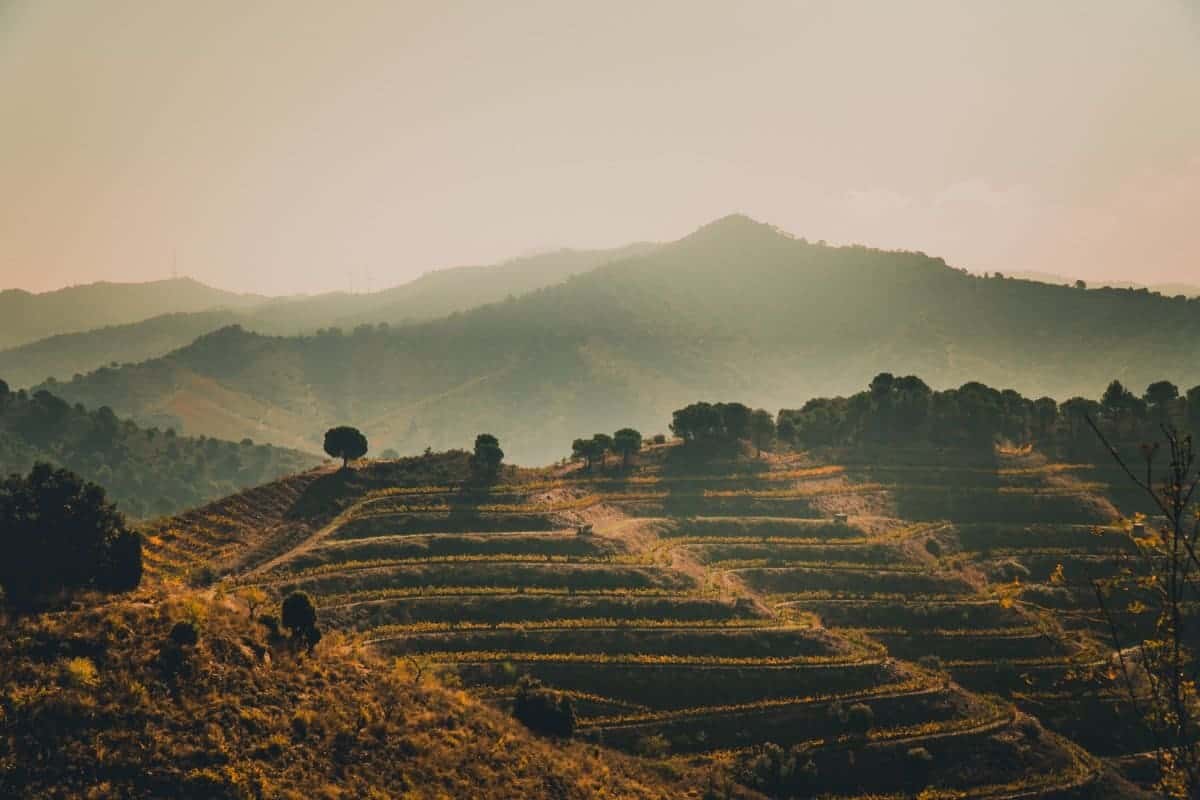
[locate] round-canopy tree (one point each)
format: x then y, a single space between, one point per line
485 461
58 532
1159 396
345 443
627 442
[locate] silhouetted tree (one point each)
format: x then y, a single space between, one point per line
785 430
1159 396
762 429
185 633
58 532
627 442
585 449
696 421
735 418
486 459
604 444
711 422
345 443
1193 408
299 616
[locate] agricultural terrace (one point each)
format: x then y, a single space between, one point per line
695 616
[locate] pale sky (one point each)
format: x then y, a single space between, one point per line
295 146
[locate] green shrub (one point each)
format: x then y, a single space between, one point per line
860 718
654 746
544 710
299 616
185 633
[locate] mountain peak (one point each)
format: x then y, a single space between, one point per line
735 227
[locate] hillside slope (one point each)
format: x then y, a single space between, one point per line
147 472
735 309
666 620
98 703
65 355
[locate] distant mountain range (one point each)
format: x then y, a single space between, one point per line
142 321
737 310
26 317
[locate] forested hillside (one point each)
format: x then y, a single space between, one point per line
147 471
61 357
737 308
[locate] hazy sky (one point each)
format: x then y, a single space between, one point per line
294 146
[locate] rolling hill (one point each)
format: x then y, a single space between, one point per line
62 356
736 309
434 294
26 317
99 702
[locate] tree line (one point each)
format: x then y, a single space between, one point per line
904 410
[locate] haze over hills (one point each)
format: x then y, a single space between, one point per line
26 317
736 308
434 294
65 354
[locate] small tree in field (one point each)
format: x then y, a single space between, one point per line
254 598
487 457
1159 396
627 442
299 616
345 443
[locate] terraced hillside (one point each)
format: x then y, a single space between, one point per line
1025 536
687 614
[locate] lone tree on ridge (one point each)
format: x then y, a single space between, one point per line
345 443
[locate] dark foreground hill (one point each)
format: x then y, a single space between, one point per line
147 471
736 309
100 703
